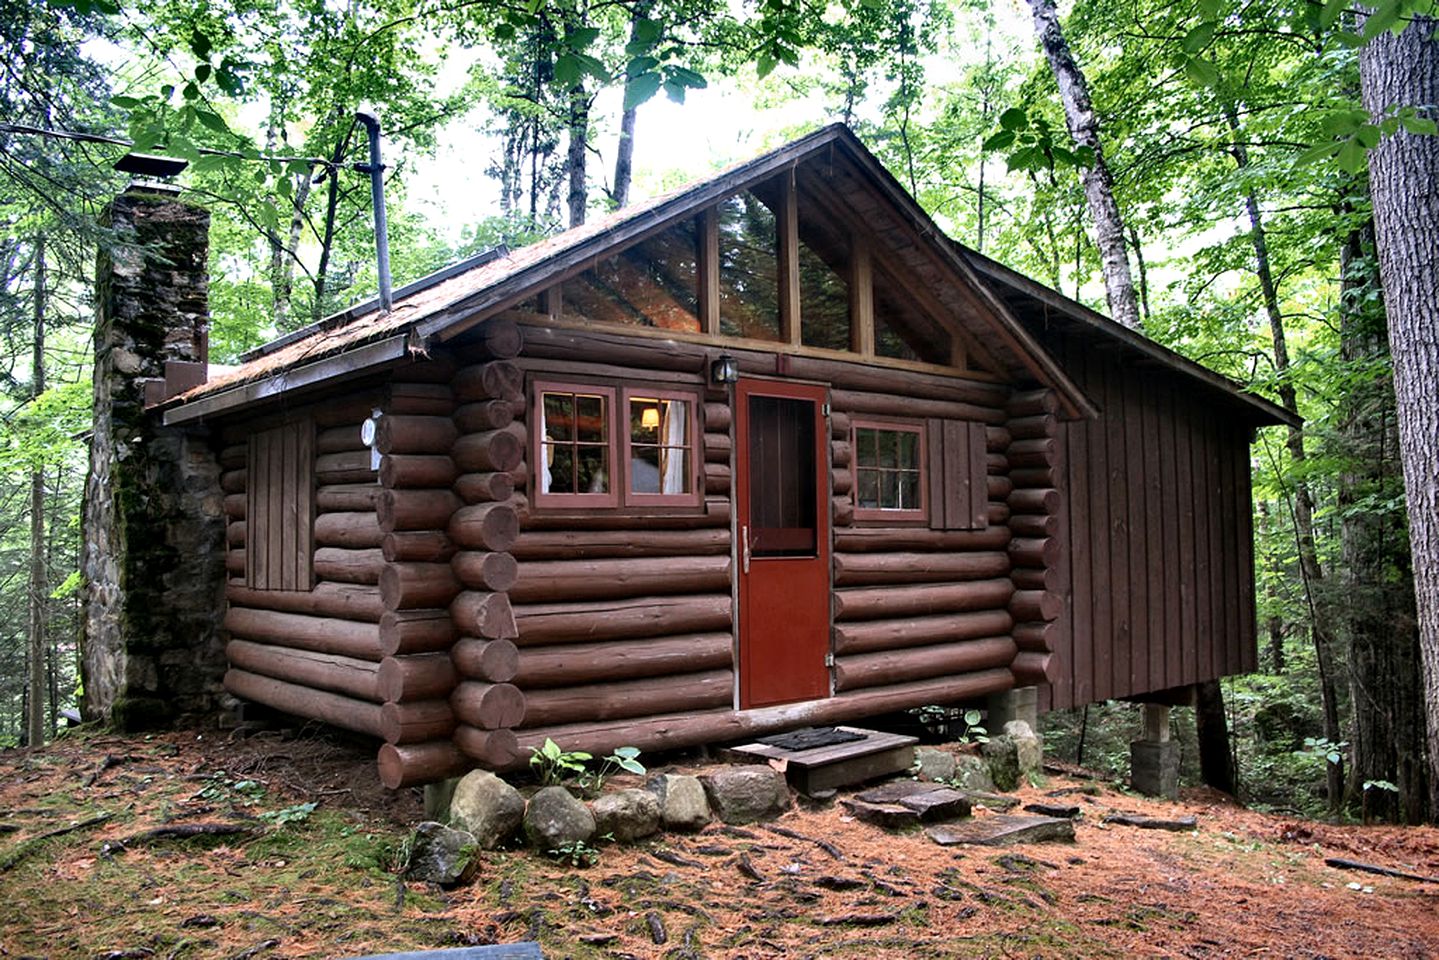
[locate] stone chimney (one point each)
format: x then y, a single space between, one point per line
154 532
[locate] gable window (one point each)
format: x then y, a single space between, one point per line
889 470
603 447
575 458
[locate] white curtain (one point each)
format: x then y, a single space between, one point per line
672 454
546 451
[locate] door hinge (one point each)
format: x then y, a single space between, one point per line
824 409
829 659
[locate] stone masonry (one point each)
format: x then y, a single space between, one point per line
154 521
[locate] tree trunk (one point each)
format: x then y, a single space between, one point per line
1385 681
1312 574
1098 183
575 160
624 154
38 592
1398 71
1211 723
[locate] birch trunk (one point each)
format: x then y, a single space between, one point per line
1398 71
1098 183
38 591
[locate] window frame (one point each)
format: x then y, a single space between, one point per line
888 515
611 497
695 497
619 498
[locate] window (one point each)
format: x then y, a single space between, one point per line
588 456
575 456
748 268
279 507
888 470
651 284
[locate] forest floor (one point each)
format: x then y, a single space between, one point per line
125 880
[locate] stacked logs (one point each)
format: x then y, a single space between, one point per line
1035 550
623 616
313 653
913 604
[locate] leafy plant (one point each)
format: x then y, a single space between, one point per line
973 732
576 854
298 813
624 758
555 765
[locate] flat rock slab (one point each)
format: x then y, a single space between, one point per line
992 801
1002 830
891 816
1053 810
895 791
937 805
1177 825
928 802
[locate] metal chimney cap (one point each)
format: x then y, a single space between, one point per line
150 165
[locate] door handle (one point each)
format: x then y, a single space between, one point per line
744 539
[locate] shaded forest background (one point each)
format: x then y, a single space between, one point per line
1233 132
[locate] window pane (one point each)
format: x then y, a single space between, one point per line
644 421
903 331
868 488
561 473
909 450
593 469
590 417
909 490
749 268
559 416
651 284
782 475
676 422
823 298
645 470
865 440
888 490
888 440
675 473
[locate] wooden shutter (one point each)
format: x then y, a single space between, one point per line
279 508
957 474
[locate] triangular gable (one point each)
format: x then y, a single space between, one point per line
831 167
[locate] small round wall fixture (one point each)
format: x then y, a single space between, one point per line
725 369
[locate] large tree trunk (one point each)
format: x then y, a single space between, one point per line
1398 71
1098 183
1311 573
38 591
578 153
1385 679
1211 724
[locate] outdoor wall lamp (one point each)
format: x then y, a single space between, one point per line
725 369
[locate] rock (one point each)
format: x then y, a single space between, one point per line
891 816
1028 747
972 773
991 801
747 793
440 854
1001 830
487 807
683 804
626 815
925 802
1053 810
894 791
555 819
934 764
1003 758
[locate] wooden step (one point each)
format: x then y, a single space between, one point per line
823 769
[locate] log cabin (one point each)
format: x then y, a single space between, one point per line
764 452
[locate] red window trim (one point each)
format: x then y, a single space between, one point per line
619 496
609 498
917 427
695 497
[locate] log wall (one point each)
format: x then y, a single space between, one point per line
1161 575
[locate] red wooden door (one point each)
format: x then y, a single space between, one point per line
782 469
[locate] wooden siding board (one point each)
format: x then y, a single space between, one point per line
1063 685
1173 585
1117 536
1184 478
1102 667
977 514
1079 441
1134 444
935 448
1214 642
956 474
305 508
1249 661
1155 514
289 519
1235 550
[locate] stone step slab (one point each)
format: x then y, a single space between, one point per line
1002 830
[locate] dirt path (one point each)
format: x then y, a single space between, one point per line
264 875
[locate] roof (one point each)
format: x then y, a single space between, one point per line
453 300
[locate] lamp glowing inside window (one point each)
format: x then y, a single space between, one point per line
660 446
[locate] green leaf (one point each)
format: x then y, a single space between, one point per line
1201 72
764 65
504 31
689 78
1210 9
1420 126
1198 38
211 164
191 92
998 141
647 31
567 69
1350 40
126 103
167 91
1084 156
200 45
593 67
582 37
1385 15
1341 123
675 91
1014 119
1368 136
641 88
1331 12
639 65
1351 156
212 121
1025 158
202 72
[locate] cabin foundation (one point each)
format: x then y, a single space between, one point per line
1154 760
1021 703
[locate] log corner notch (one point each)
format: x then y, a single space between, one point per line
1036 547
448 630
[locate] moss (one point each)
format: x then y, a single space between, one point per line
138 714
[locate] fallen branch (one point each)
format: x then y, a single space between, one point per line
179 831
748 868
859 920
24 848
1343 864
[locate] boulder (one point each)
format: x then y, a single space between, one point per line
1029 749
487 807
934 764
682 801
1003 758
555 819
626 815
972 773
439 854
745 794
